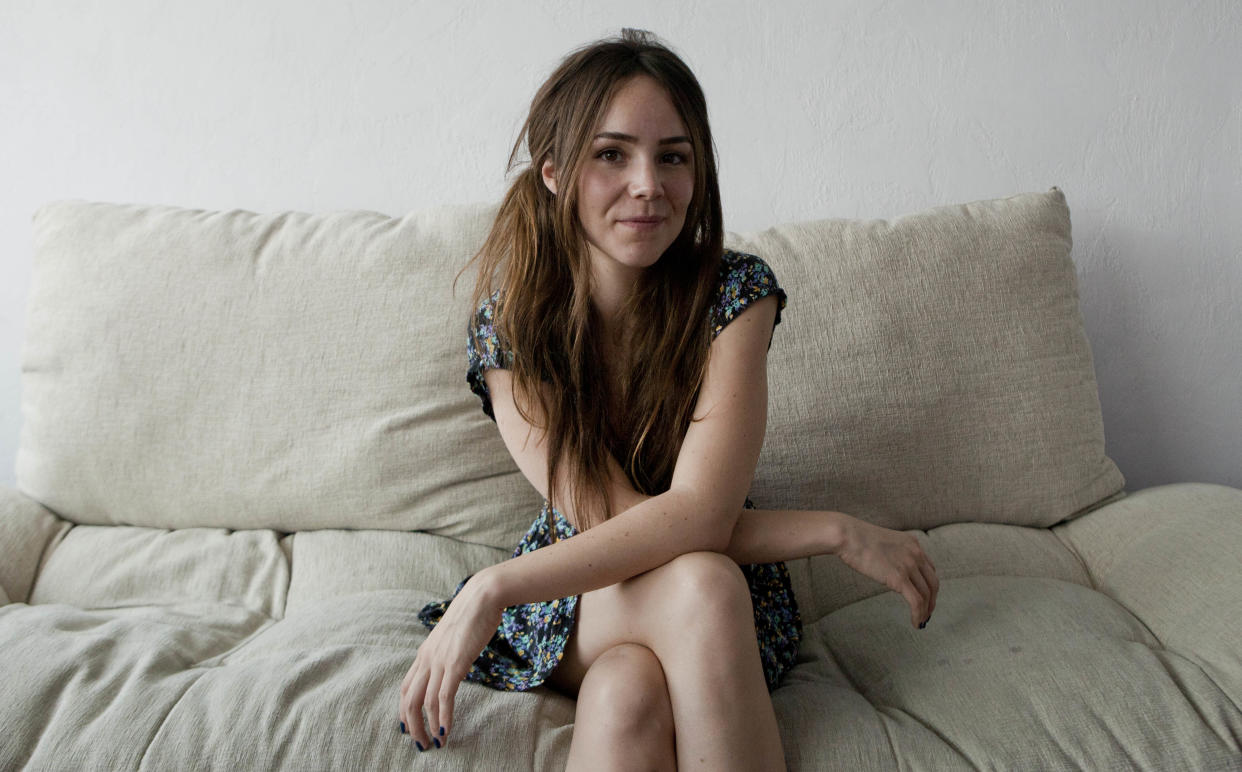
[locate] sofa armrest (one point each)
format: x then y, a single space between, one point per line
27 531
1169 554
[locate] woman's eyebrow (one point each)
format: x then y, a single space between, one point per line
631 138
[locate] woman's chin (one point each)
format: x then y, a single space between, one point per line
636 259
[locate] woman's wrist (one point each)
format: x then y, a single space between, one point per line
488 586
837 531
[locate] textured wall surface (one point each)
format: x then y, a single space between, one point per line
821 109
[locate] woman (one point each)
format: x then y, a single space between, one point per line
622 353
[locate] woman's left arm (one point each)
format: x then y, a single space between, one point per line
894 558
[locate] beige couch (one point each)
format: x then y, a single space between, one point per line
249 457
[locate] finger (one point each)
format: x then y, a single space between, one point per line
403 713
448 693
924 595
922 550
431 707
933 582
411 710
409 677
911 594
418 732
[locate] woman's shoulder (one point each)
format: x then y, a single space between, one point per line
486 349
485 311
733 259
744 278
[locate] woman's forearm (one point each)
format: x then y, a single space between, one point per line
768 536
643 537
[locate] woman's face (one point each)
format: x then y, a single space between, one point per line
637 180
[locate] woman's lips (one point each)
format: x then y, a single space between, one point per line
642 223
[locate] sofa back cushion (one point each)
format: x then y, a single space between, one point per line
933 369
292 371
288 371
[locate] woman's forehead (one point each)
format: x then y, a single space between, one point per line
641 109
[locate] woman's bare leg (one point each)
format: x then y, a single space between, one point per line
624 720
695 614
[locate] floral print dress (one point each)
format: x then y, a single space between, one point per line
531 638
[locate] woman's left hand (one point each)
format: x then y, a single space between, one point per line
443 660
894 558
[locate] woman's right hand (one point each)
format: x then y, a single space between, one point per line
895 559
443 661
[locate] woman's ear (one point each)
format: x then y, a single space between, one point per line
547 171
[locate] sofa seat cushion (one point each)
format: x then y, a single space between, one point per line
1170 554
824 584
152 687
1067 669
329 564
318 690
27 530
282 643
1063 666
96 685
114 566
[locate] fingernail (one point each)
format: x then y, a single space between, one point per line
437 742
924 623
403 728
420 746
441 731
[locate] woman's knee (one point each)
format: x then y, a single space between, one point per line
626 684
706 582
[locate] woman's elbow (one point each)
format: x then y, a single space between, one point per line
716 519
726 520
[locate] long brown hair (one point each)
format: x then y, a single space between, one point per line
536 256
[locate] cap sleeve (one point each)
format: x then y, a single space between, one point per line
485 350
744 279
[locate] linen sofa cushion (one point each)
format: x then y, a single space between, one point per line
1025 664
218 686
823 584
933 369
27 532
1170 555
333 563
187 368
96 685
1011 673
97 567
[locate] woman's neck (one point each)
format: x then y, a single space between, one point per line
611 284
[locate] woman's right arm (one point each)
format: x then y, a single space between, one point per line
527 446
599 556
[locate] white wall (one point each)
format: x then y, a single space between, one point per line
821 109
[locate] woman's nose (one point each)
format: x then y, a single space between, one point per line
645 180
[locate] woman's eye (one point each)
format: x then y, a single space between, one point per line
674 158
609 155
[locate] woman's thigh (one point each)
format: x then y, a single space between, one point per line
647 609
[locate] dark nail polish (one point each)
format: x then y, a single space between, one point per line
922 624
419 745
403 728
437 742
441 731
